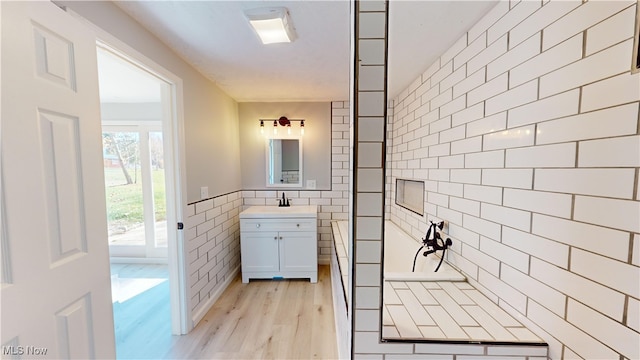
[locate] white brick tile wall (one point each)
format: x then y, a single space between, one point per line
513 178
487 55
490 88
468 145
633 314
614 152
556 57
616 183
466 176
553 107
635 259
488 20
482 227
518 55
601 298
547 250
472 81
611 31
507 255
453 50
617 336
487 124
453 79
600 268
470 51
516 15
520 95
487 194
605 63
484 261
214 248
616 121
516 299
619 214
558 155
517 137
536 205
469 114
571 336
546 15
538 291
617 90
540 202
583 236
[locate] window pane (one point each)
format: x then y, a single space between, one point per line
123 183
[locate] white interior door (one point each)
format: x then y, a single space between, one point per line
55 292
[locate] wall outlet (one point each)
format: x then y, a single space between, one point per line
311 184
204 192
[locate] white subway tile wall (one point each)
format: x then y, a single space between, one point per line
543 207
212 236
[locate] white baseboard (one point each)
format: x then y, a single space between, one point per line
214 297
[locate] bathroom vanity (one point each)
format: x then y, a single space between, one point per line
279 242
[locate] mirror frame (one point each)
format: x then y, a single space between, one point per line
300 162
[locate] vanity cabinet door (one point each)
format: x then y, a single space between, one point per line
259 252
298 252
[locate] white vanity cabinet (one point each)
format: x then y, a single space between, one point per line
279 242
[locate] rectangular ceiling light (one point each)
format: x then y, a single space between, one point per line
272 25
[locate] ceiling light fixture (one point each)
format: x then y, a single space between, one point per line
273 25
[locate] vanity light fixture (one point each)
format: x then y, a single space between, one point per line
273 25
282 121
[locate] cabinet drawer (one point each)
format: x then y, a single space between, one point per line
250 225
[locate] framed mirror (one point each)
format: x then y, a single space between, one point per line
284 162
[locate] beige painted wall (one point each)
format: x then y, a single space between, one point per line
210 116
316 141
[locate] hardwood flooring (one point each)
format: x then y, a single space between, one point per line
141 310
265 319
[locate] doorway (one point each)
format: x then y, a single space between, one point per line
136 109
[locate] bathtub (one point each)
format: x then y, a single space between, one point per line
399 250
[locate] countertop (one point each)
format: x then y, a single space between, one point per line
294 211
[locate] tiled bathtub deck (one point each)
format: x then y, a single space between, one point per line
448 311
443 311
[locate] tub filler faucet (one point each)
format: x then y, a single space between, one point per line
433 242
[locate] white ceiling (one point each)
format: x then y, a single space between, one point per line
215 38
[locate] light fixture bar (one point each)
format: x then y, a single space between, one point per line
282 121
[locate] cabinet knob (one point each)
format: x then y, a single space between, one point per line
275 238
257 225
298 225
280 237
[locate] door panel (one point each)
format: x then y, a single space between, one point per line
59 146
57 295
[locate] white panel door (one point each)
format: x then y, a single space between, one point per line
56 296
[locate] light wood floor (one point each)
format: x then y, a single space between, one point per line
265 319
